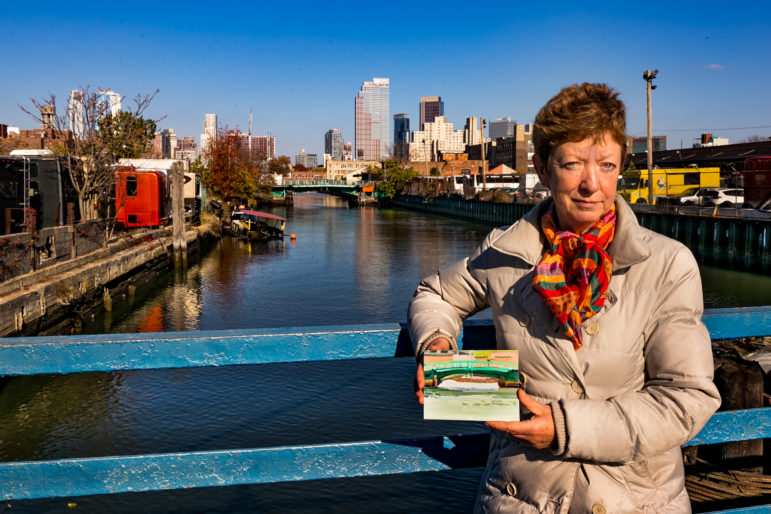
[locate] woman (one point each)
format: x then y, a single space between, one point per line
616 365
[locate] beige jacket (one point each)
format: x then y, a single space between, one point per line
623 404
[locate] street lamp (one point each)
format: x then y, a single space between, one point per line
648 76
484 176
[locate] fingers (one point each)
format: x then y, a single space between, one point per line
538 431
530 403
420 383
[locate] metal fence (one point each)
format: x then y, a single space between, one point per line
71 477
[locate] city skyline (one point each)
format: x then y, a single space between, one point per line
299 78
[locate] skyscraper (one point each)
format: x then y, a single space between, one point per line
111 101
209 131
308 160
401 136
264 147
430 108
371 119
333 144
472 134
169 143
502 127
75 114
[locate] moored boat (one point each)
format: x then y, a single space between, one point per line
256 224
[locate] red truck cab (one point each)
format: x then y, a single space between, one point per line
141 197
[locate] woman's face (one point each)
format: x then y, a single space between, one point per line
582 178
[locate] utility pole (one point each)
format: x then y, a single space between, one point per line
648 76
179 243
425 156
484 175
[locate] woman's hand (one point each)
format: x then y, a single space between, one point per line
437 344
538 431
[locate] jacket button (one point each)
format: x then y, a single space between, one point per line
511 489
598 508
593 328
524 320
575 385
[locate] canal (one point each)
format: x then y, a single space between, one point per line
346 266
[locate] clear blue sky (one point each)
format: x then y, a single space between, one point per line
299 65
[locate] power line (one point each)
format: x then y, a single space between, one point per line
708 129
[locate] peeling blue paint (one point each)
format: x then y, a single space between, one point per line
107 475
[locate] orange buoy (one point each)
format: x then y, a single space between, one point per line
292 237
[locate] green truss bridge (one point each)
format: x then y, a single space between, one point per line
358 193
435 372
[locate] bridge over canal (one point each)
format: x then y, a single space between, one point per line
357 193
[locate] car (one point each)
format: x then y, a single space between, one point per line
712 196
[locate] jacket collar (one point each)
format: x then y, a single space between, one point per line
525 241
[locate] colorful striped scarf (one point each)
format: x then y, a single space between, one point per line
574 273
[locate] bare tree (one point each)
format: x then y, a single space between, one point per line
755 139
89 143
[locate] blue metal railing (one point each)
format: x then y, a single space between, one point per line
135 473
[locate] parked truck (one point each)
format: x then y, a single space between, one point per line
668 183
192 191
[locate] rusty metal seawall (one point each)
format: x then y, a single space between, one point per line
736 238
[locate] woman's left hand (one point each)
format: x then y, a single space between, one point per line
538 431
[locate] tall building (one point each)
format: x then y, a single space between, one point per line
48 116
430 108
110 101
187 149
401 136
168 143
471 133
158 146
263 147
257 148
501 127
640 144
333 144
209 130
438 137
371 120
75 114
309 160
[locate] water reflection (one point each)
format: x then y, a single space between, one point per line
347 266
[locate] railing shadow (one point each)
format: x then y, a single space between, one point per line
139 473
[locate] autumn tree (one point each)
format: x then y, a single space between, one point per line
91 140
232 172
281 165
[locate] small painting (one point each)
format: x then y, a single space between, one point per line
471 385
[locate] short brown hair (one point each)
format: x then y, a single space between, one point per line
576 113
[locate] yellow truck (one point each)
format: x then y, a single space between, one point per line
668 183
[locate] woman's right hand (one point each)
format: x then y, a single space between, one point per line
437 344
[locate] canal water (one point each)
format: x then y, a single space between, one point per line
346 267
